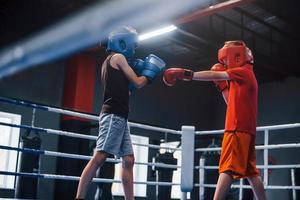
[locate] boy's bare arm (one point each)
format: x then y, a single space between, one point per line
210 76
120 62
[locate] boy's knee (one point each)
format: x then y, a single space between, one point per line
128 161
99 158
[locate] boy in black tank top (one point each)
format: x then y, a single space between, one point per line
116 92
114 137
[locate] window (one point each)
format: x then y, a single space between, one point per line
176 192
9 137
139 171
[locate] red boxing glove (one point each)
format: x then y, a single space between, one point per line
171 75
221 85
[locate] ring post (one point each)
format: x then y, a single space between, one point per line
293 184
266 154
183 196
187 158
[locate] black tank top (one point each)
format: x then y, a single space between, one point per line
116 93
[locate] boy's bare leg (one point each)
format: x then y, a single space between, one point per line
223 186
127 176
89 172
257 187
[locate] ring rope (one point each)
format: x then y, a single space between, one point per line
260 128
81 157
81 115
258 147
276 187
76 178
76 135
258 166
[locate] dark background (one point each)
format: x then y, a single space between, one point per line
270 29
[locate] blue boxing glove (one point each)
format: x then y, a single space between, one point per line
137 65
153 65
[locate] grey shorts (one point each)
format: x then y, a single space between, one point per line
114 136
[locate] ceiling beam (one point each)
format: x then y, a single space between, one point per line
270 26
267 9
267 39
211 10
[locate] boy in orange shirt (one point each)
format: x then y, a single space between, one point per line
235 78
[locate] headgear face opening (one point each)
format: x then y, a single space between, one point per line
235 54
124 42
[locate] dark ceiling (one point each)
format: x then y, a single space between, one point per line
269 27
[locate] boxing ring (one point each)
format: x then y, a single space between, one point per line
88 28
187 149
187 144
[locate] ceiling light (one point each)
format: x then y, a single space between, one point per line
157 32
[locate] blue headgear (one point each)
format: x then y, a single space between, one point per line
123 42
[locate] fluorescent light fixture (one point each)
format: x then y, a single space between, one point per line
157 32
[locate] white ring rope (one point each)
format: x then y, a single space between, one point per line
82 157
258 166
82 115
78 135
260 128
275 187
257 147
76 178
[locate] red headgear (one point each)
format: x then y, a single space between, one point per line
235 54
